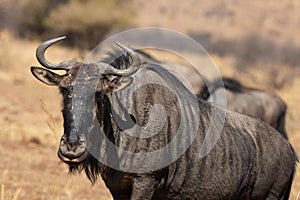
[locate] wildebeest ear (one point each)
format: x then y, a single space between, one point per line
46 76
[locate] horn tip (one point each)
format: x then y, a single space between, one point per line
119 44
122 46
61 38
54 40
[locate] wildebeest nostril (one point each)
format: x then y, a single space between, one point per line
63 141
81 144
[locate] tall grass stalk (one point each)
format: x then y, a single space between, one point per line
17 194
2 191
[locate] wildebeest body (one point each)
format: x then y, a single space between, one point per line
249 159
260 104
239 163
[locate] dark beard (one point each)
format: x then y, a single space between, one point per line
90 165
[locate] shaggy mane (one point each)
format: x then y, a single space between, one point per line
121 60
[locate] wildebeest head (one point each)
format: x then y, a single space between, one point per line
91 78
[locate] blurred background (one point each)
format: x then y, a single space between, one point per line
255 42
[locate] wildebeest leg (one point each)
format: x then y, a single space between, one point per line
143 188
281 125
281 188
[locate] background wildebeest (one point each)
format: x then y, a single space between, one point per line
260 104
249 160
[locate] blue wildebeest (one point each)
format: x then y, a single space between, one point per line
250 160
260 104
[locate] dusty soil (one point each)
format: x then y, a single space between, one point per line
31 122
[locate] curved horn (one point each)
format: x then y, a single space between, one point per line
136 62
40 54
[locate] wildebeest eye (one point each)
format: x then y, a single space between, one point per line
133 118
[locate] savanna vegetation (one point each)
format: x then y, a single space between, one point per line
255 42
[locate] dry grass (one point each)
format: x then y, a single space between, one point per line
255 34
15 195
52 122
88 14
